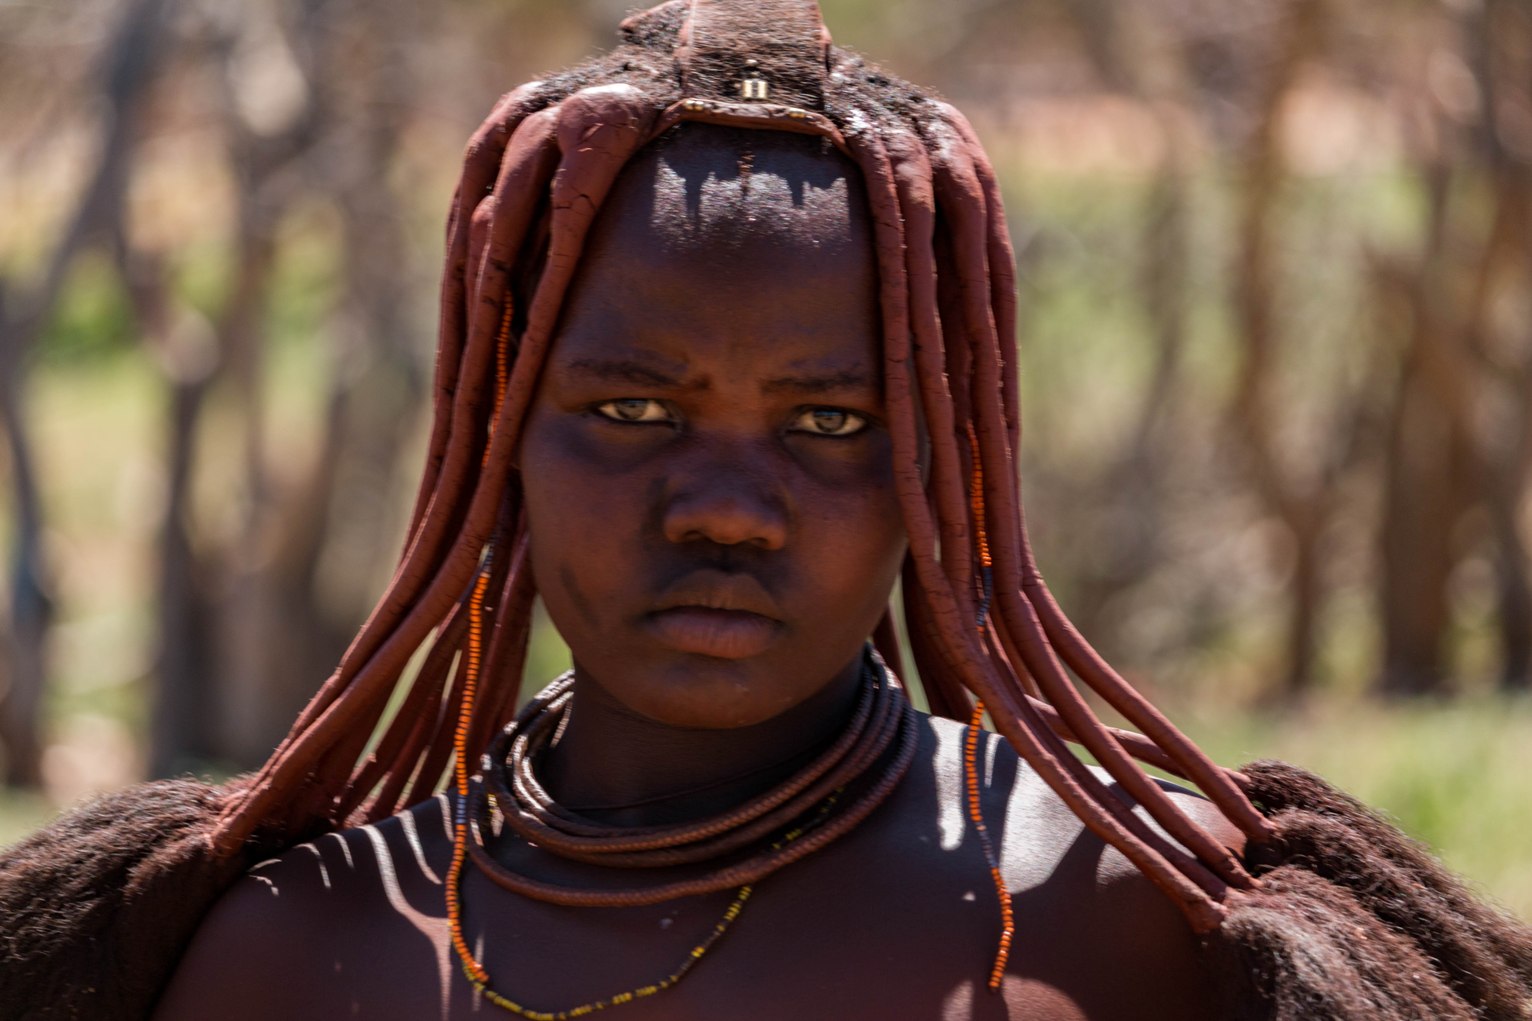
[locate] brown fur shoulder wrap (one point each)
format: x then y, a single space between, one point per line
1357 922
96 908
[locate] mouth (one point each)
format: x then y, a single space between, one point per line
719 615
722 634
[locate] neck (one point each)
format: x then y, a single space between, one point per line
618 767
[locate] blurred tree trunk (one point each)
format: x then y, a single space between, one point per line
1132 490
1462 423
198 607
1503 459
1499 44
1303 507
287 636
128 66
251 628
184 730
1424 495
23 673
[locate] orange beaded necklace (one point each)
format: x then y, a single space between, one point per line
976 727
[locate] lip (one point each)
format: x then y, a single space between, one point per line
713 613
722 634
718 590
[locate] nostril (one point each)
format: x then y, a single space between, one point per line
728 519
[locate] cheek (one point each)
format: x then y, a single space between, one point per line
573 520
883 549
862 533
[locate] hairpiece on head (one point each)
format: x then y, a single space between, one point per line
767 50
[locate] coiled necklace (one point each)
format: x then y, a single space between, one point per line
821 802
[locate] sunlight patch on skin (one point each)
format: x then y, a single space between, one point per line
396 900
345 848
959 1002
412 837
324 871
1033 811
478 946
386 870
950 820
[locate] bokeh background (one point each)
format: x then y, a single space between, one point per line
1276 271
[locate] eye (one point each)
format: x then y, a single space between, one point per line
635 409
828 422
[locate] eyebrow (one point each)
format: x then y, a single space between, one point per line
624 370
832 382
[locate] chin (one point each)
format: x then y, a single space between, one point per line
705 695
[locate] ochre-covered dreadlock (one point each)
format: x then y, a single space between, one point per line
1327 902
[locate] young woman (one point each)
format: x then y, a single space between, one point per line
725 353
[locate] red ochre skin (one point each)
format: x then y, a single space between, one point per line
715 567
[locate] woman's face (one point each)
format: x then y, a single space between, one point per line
706 466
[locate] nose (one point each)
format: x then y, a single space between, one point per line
729 502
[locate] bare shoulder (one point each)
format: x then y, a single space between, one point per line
326 928
1035 828
1081 909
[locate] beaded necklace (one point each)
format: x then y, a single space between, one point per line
823 801
976 726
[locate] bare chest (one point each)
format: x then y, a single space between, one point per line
897 919
836 938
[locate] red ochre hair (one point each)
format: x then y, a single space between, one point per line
979 618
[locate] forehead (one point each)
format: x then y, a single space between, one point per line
734 186
751 242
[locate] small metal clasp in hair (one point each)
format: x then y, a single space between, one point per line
754 84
